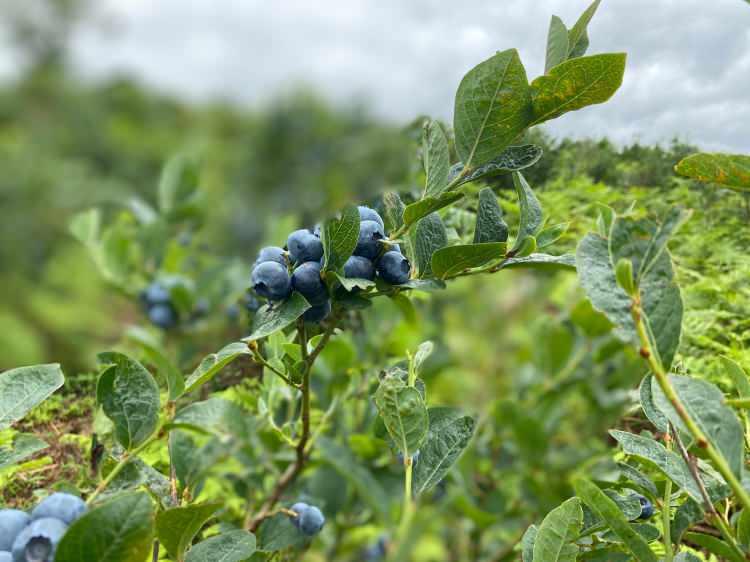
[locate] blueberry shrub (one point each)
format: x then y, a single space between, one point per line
272 447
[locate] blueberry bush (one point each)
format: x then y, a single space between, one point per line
302 437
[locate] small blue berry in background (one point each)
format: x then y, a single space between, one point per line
307 281
38 541
304 246
317 313
12 522
376 552
357 267
394 268
299 508
370 235
311 521
156 293
271 280
65 507
272 253
368 214
163 316
647 508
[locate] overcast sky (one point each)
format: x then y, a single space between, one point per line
688 71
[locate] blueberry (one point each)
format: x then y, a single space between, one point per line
272 253
65 507
307 281
304 246
317 313
271 280
156 293
370 235
12 522
394 268
5 556
414 458
359 268
38 541
368 214
647 508
299 508
163 315
377 551
311 521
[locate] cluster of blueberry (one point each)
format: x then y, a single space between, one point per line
34 538
303 254
307 518
158 304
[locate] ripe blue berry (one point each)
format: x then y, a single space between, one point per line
394 268
376 552
368 214
156 293
272 253
370 235
311 521
163 315
271 280
12 522
647 508
357 267
65 507
5 556
307 281
38 541
299 508
304 246
317 313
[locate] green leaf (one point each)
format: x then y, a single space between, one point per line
177 527
212 364
672 222
276 316
24 388
704 403
451 260
339 237
607 510
685 516
178 183
435 158
119 530
557 44
541 261
404 413
393 211
527 543
654 415
491 226
743 528
512 159
730 170
424 351
493 107
578 37
233 546
531 218
687 557
575 84
738 376
648 532
214 415
551 234
448 436
370 490
429 237
86 226
22 447
715 545
351 283
278 533
557 533
151 348
427 205
638 479
129 396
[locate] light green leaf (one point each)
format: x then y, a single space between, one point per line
233 546
404 413
714 545
491 226
151 348
435 158
607 510
24 388
276 316
339 237
393 211
578 37
429 204
575 84
214 415
178 182
451 260
551 234
493 107
557 44
738 376
212 364
429 237
177 527
541 261
531 218
730 170
555 539
527 543
22 447
119 530
512 159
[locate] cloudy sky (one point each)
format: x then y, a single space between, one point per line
688 70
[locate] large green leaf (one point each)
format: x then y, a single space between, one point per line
404 413
276 316
212 364
435 158
512 159
493 107
490 226
557 44
339 237
177 527
232 546
278 533
607 509
731 170
704 403
22 447
575 84
451 260
25 388
448 436
129 396
531 218
414 212
214 415
578 40
119 530
716 546
429 237
556 536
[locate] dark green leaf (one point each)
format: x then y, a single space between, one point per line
435 158
427 205
653 413
541 261
512 159
339 236
404 413
276 316
24 388
557 44
491 226
349 284
278 533
555 539
731 170
429 237
233 546
685 516
177 527
715 545
531 211
212 364
451 260
638 479
550 235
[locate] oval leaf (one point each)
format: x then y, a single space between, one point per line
276 316
555 538
339 237
450 261
731 170
25 388
404 413
234 546
212 364
176 528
